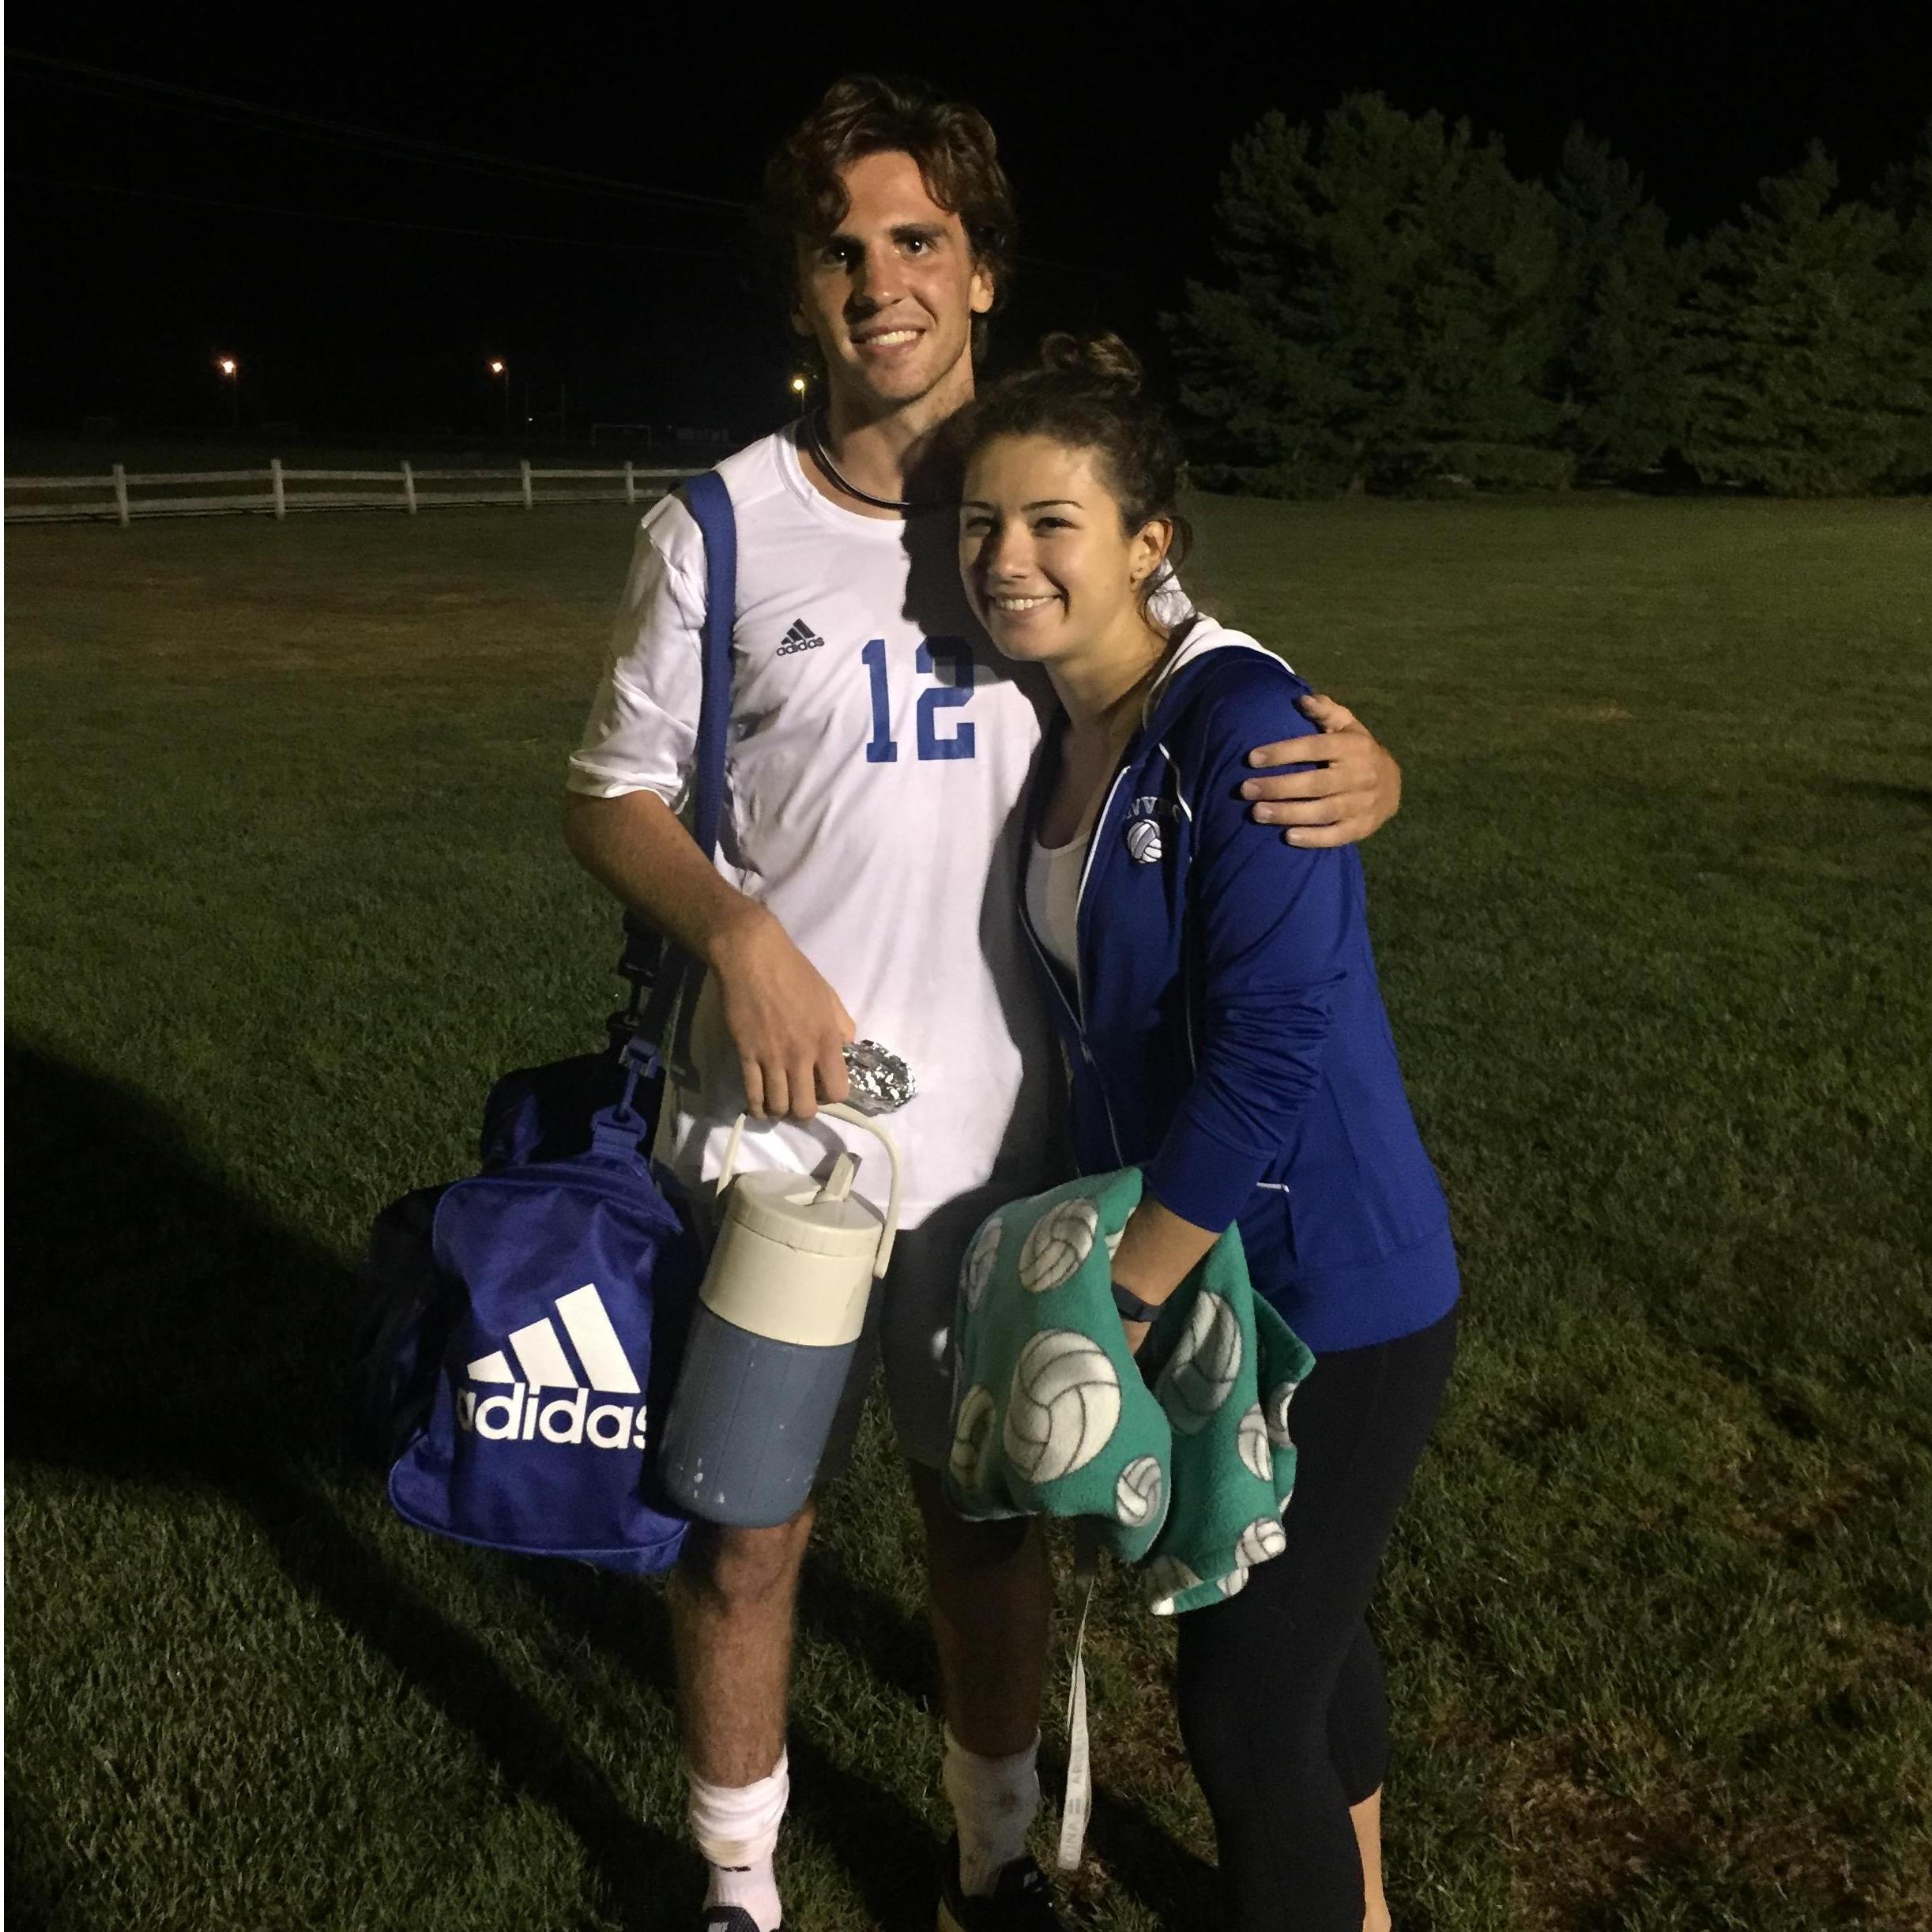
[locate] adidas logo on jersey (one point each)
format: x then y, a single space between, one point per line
800 637
523 1415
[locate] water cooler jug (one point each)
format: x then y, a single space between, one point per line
778 1319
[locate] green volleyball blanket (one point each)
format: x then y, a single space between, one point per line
1053 1416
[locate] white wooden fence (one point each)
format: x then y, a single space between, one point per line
121 497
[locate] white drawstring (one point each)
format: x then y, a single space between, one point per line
1079 1803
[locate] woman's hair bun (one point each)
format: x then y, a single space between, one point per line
1101 358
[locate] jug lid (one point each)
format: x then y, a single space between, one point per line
786 1208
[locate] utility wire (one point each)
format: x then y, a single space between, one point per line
367 221
259 115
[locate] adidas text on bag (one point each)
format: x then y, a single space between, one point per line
524 1415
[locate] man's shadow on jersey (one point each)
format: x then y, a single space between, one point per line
936 601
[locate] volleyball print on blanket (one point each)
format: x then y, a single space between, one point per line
1252 1439
1057 1243
1140 1493
1276 1414
1064 1408
972 1437
1200 1375
1166 1578
1263 1539
980 1257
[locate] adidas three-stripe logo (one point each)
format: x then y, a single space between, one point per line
521 1413
541 1355
800 637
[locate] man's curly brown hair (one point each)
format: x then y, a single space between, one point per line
865 113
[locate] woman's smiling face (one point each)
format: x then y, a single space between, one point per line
1047 568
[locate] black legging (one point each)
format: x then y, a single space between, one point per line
1280 1689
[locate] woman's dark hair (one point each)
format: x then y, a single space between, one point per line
863 114
1086 394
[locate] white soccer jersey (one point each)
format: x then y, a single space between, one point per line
878 749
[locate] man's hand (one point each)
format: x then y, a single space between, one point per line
789 1027
1355 791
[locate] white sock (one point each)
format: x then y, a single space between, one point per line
737 1828
995 1801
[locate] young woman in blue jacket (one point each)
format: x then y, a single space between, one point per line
1216 996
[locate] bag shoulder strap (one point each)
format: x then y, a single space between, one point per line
709 501
647 956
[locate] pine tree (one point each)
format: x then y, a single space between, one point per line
1386 314
1795 342
1614 373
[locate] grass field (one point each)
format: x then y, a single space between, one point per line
285 892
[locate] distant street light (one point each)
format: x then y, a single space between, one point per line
798 387
231 372
500 370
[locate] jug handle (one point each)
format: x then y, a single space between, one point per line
838 1108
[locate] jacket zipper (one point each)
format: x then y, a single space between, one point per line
1080 991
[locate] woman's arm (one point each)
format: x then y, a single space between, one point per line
1159 1251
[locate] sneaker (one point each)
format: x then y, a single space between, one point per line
727 1918
1019 1902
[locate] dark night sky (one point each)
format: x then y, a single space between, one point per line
1114 123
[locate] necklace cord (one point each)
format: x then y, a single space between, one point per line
809 423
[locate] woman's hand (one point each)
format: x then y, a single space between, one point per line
1353 791
789 1027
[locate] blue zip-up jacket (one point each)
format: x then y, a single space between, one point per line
1225 1030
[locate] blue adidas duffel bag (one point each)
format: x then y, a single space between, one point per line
537 1359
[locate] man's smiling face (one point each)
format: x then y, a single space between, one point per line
890 296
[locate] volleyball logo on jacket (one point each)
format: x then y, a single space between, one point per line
1063 1406
1056 1245
1144 829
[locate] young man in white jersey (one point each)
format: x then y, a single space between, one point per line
864 885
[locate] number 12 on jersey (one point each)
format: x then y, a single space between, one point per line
949 661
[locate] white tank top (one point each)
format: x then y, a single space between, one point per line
1053 875
1054 897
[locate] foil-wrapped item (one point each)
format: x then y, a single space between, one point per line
881 1081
